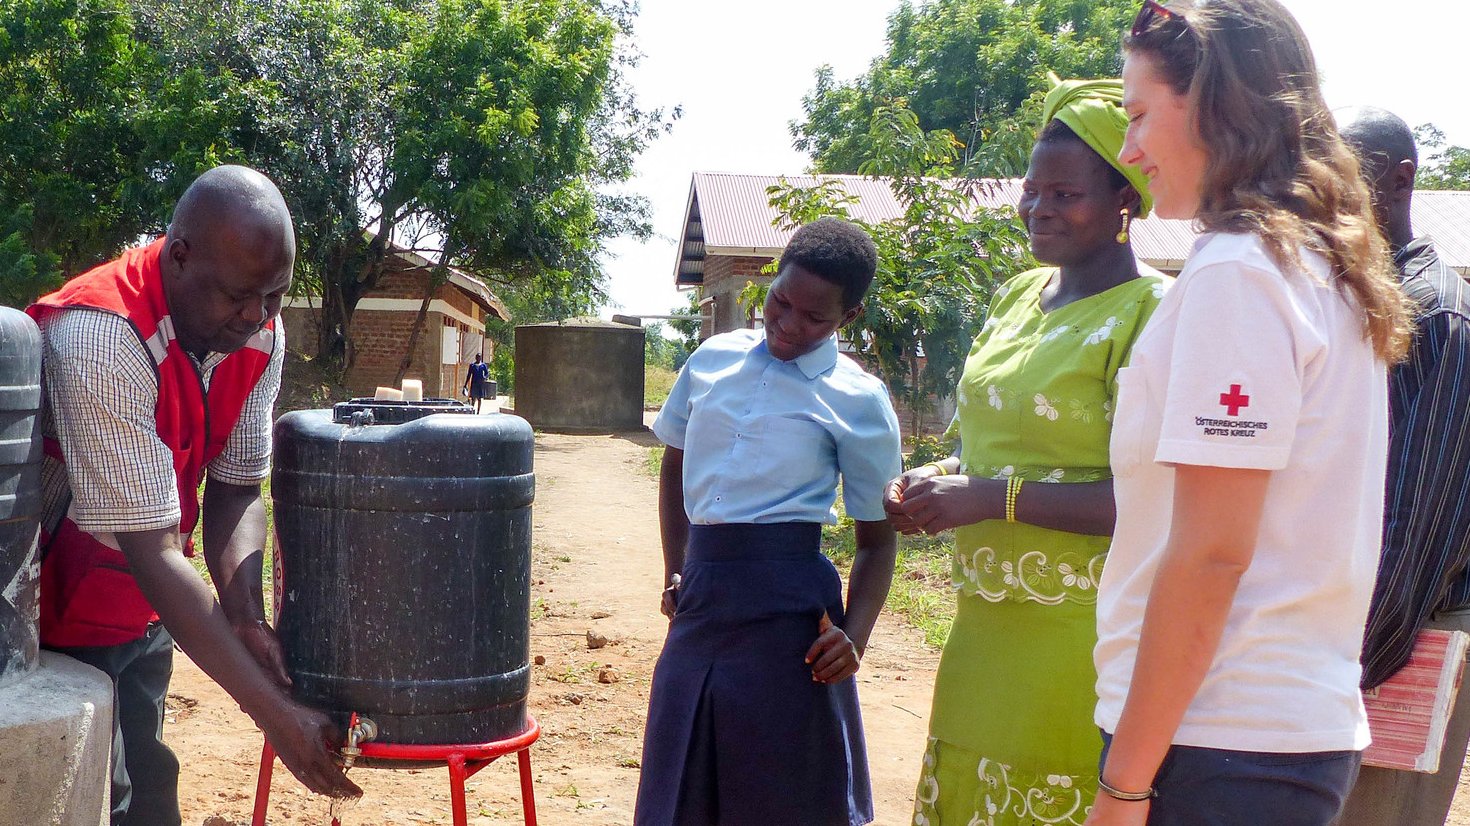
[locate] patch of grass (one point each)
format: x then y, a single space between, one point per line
921 591
657 382
573 674
653 461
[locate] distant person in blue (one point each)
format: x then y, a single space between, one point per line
753 715
477 381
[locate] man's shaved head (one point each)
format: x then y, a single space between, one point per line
228 259
1386 150
235 200
1380 137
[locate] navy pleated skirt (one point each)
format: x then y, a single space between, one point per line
738 732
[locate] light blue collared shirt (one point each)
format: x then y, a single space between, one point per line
765 440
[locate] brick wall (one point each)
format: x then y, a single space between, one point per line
457 299
410 284
724 277
380 337
400 284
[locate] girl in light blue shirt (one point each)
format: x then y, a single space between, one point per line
753 714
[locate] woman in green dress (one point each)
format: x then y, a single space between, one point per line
1028 491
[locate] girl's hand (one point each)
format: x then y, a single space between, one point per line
833 657
1110 811
669 602
897 490
939 503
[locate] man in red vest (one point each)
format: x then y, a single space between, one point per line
161 370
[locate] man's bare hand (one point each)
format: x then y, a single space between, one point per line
265 648
302 738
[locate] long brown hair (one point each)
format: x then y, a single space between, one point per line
1277 165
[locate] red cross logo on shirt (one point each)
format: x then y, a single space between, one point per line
1234 400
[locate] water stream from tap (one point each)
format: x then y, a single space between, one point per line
339 805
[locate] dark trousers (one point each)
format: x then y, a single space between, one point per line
1220 787
145 773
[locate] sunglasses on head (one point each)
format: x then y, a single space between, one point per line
1151 11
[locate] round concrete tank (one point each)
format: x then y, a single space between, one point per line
580 376
20 492
55 713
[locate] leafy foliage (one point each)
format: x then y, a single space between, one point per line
937 263
24 274
974 67
661 351
96 138
926 448
483 134
1440 166
687 328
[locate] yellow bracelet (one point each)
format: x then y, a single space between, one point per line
941 469
1013 489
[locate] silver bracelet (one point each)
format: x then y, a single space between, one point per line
1132 797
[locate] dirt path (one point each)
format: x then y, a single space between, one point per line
596 567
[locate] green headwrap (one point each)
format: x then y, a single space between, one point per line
1094 110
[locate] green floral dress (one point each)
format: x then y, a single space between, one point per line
1011 736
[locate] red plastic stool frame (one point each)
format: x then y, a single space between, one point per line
463 760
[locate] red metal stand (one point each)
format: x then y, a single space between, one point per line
464 760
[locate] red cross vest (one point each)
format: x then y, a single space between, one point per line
88 594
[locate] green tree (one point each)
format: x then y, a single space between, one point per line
938 262
974 67
1440 166
657 350
484 134
687 328
24 274
97 138
477 132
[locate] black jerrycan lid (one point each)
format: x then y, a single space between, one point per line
368 410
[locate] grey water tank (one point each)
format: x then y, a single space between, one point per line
20 491
580 376
404 566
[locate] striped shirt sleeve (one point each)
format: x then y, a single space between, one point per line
103 393
1426 540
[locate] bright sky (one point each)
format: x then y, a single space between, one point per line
740 69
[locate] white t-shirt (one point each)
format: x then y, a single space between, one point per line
1244 367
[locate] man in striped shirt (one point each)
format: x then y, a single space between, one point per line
1423 580
161 369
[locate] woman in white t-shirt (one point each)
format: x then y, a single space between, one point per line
1250 439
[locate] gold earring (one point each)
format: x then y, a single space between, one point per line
1122 236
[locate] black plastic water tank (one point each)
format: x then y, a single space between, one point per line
404 566
20 491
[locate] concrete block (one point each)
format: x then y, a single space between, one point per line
580 376
56 745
